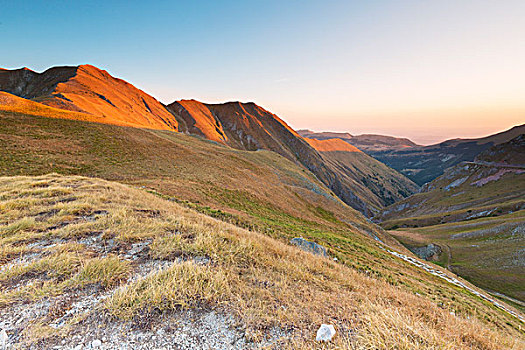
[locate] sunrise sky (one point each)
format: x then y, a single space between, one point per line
427 70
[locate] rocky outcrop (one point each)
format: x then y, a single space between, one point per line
308 246
428 252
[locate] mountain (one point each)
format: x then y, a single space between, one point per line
244 126
475 212
250 127
366 142
87 89
324 135
91 94
420 164
423 164
368 177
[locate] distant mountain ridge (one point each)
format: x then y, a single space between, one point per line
365 142
421 164
425 163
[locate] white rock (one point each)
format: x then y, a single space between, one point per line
78 347
96 343
325 333
3 339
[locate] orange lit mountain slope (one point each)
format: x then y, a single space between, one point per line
332 145
196 118
89 90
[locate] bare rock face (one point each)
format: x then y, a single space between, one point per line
428 252
308 246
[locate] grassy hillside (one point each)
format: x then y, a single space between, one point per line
253 189
84 259
256 190
487 251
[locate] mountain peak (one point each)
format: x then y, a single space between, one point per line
88 89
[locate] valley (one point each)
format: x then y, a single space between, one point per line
476 213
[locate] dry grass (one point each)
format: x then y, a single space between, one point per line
107 271
182 285
264 282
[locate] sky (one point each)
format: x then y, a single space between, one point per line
427 70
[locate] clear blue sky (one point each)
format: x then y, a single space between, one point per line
428 70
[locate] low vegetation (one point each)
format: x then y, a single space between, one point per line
140 254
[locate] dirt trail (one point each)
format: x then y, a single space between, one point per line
497 165
436 272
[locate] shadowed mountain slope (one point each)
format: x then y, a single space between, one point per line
89 90
424 163
368 177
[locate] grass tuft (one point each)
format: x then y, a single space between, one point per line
181 285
